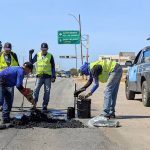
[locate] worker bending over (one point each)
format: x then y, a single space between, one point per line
10 77
103 71
7 59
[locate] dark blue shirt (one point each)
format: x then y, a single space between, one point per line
12 76
96 83
7 59
93 75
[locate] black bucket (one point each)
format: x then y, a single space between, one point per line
84 108
70 112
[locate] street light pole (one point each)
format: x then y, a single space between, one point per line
79 22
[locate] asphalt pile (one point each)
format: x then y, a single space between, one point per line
36 118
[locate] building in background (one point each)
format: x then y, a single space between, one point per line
121 58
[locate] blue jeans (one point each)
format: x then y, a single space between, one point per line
6 98
47 87
1 95
111 91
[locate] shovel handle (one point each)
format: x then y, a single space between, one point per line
75 86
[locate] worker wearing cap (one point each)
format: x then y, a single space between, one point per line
7 59
10 77
45 73
103 71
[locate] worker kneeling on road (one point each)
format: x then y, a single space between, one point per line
10 77
103 71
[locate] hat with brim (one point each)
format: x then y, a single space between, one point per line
8 49
44 49
7 46
84 69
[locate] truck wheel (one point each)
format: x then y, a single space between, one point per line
145 94
130 95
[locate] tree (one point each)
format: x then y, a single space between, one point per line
74 72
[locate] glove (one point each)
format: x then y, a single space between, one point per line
77 92
27 92
52 80
31 51
83 97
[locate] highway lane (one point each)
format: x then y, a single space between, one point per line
55 139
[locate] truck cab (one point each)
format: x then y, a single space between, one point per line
138 77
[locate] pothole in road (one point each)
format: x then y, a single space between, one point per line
42 120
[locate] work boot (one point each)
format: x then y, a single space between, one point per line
6 120
44 109
112 116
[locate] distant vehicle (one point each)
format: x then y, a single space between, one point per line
58 74
63 75
68 74
138 77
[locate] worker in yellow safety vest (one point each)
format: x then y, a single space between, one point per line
7 59
104 70
45 73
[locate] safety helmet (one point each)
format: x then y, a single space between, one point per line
7 46
84 69
28 65
44 46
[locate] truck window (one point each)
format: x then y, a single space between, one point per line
146 56
146 53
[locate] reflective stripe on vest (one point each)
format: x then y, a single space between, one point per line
107 66
3 63
43 65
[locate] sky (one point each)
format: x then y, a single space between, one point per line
112 26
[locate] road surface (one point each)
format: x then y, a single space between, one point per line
55 139
132 115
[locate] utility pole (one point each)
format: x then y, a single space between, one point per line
85 38
87 49
80 39
80 29
76 56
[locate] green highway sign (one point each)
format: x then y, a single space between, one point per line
69 37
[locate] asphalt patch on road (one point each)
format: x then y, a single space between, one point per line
36 118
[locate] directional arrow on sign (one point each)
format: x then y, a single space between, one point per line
60 34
